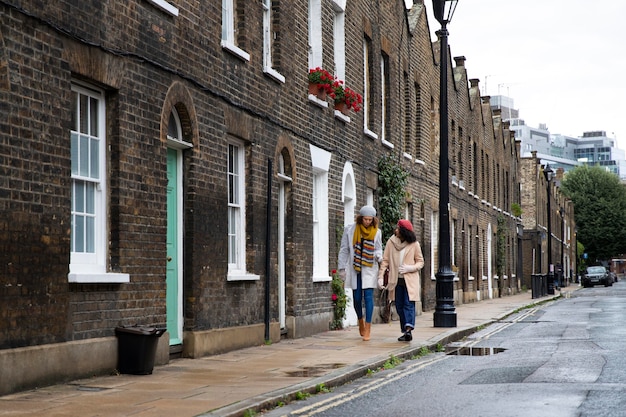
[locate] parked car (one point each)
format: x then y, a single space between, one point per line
612 277
595 275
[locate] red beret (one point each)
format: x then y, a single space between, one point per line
405 224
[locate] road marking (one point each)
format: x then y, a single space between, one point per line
337 400
334 401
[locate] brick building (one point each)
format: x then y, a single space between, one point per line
164 164
534 202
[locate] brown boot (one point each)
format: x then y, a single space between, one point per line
361 327
366 332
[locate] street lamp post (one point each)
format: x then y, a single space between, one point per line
549 174
445 314
576 254
562 281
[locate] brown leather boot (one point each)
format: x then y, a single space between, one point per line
361 327
366 333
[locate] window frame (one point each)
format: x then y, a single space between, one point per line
237 271
315 44
91 267
268 43
320 164
229 40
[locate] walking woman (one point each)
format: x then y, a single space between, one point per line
359 255
403 256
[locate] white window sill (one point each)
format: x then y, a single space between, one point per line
321 278
275 75
340 116
370 134
235 50
165 6
98 278
387 144
243 276
319 103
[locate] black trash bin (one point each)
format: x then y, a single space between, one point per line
136 349
536 285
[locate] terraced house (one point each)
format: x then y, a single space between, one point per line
164 163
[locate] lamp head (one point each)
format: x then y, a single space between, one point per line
443 10
548 173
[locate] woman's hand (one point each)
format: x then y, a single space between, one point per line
406 269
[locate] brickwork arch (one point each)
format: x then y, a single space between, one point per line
178 97
284 147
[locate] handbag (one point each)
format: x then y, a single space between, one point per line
385 306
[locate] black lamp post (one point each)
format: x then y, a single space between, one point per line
549 174
576 254
445 314
562 277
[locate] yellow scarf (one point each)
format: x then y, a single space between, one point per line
363 241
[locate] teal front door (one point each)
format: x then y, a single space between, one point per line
174 273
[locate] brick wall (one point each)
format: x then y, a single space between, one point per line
149 62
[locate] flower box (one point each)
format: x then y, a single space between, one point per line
320 82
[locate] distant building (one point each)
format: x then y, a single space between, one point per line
562 151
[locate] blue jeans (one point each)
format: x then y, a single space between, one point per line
359 293
405 308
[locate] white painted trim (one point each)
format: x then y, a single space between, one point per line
103 278
165 6
235 50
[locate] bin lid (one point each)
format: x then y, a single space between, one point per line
141 330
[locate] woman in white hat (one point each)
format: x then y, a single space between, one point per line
359 255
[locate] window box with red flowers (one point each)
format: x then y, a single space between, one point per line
320 82
345 98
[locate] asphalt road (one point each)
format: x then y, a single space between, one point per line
562 359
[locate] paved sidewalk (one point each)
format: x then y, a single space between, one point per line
251 378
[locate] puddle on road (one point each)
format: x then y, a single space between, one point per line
472 351
314 371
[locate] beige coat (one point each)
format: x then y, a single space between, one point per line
412 256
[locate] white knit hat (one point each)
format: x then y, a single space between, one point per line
368 211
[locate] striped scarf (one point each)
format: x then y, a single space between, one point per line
363 241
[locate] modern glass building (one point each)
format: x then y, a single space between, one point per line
562 151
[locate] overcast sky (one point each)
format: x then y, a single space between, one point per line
562 61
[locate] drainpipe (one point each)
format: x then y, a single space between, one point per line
268 241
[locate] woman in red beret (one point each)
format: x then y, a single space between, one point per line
403 256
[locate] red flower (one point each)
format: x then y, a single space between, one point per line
334 297
334 271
